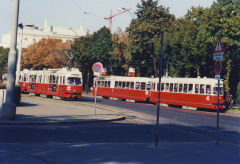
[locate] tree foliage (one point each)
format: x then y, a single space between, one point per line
3 60
120 56
47 53
145 31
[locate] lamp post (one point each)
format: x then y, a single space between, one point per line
19 55
9 107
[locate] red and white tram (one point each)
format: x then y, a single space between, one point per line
187 92
59 83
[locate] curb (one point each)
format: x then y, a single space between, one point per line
63 122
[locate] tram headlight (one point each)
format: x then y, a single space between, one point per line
69 88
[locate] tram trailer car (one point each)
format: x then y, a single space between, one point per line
129 88
59 83
187 92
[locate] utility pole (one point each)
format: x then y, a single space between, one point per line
9 107
19 55
159 90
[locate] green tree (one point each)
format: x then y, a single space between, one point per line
145 31
3 60
238 94
82 59
100 48
226 23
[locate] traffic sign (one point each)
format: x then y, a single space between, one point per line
218 47
97 67
218 77
218 56
217 67
218 51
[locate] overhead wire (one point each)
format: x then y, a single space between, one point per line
83 11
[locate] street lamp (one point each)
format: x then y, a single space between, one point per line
19 55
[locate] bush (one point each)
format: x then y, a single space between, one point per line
17 92
238 94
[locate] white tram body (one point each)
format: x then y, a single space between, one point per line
63 83
191 92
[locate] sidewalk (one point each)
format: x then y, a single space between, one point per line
41 111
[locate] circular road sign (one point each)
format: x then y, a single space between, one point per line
217 67
97 67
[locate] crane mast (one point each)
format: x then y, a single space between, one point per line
111 16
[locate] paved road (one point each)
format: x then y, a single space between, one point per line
204 121
184 137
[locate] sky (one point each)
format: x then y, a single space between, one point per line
89 13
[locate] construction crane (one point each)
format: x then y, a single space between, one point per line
111 16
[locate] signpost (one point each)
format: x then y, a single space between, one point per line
217 57
97 69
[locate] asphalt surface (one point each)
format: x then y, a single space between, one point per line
184 136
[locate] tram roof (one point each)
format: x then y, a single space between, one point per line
198 80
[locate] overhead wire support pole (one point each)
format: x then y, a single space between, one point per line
159 88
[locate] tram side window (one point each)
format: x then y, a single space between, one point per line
57 79
109 84
116 84
102 83
190 88
202 88
167 87
185 88
148 87
215 91
137 85
132 85
175 87
63 79
157 86
40 79
25 78
98 83
153 86
180 88
119 84
124 85
196 88
162 86
106 84
60 79
127 85
143 86
171 87
208 89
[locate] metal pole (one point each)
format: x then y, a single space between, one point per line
9 108
159 85
217 142
95 96
19 56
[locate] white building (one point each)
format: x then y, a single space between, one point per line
32 34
